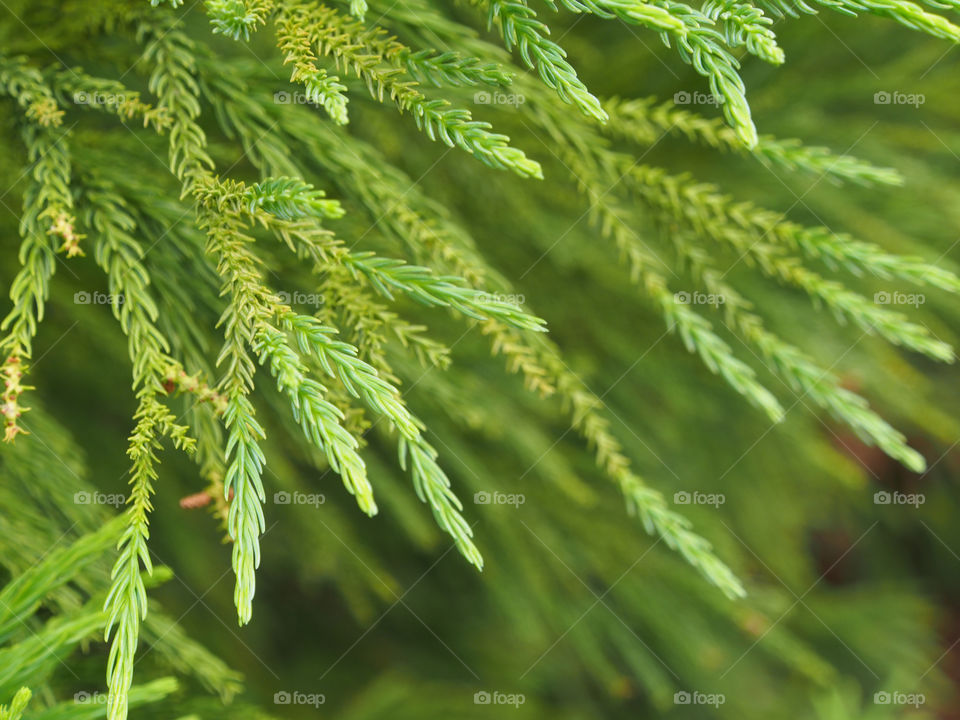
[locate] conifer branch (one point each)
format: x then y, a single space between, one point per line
14 711
744 25
96 93
353 46
238 18
388 276
698 44
450 68
291 199
319 419
246 307
126 603
747 230
324 89
173 56
47 214
520 27
696 331
340 360
906 13
642 121
797 369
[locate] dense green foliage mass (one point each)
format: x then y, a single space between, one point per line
294 258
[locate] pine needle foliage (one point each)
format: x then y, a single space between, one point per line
245 241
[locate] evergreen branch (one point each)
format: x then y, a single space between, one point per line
389 275
339 360
47 203
643 121
25 84
245 521
173 56
519 26
120 256
696 331
906 13
698 44
797 368
126 603
321 88
291 199
745 25
14 711
711 215
247 300
371 325
422 225
238 18
451 68
74 85
21 597
386 274
319 419
352 45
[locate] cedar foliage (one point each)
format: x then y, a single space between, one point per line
280 238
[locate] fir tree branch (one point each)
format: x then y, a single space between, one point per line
238 18
353 45
74 85
698 44
339 360
904 12
173 56
744 25
47 211
519 26
126 603
746 230
324 89
14 711
642 121
796 368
